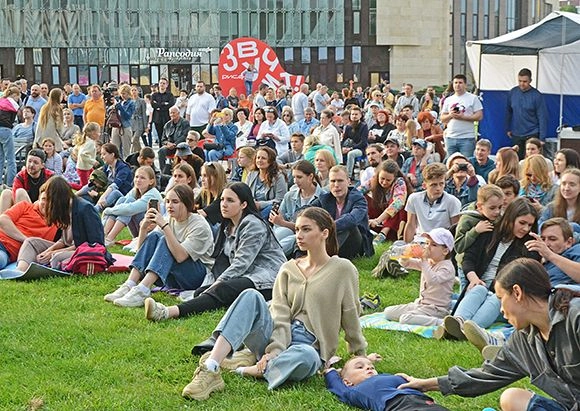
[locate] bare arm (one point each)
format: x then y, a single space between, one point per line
8 226
410 228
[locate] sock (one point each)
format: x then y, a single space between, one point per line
131 283
240 370
212 365
145 290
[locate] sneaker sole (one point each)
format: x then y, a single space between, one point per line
453 328
149 309
474 335
440 333
201 396
489 352
132 305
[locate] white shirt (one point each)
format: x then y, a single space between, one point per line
280 130
468 104
299 103
199 108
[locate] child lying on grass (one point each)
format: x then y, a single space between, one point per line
359 385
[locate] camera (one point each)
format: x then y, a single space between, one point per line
456 109
462 167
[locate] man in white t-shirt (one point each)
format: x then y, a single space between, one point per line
459 113
199 108
300 102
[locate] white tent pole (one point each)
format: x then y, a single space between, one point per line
561 71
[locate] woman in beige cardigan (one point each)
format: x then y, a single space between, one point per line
298 332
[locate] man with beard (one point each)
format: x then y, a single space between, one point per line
34 100
199 108
374 158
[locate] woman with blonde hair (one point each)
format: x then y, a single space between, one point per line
536 183
50 121
213 181
69 128
121 136
324 161
506 163
246 164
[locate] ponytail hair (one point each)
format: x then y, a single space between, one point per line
324 221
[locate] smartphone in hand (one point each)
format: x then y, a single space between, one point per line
153 203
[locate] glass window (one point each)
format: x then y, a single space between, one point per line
37 56
144 75
104 74
55 75
83 75
124 76
356 54
214 74
356 22
124 56
288 54
72 56
38 74
115 73
339 54
154 74
72 74
373 22
134 56
134 19
356 72
234 27
114 56
134 74
55 57
244 24
254 24
356 4
322 53
83 56
93 74
305 55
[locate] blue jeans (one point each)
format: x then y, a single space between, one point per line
351 157
286 238
130 221
4 257
465 146
480 306
214 155
248 85
539 403
248 321
154 255
7 155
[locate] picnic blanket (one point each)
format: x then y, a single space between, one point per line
36 271
378 320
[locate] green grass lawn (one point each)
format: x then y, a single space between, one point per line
63 346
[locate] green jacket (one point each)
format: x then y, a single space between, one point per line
465 233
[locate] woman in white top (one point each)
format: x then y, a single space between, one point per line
328 133
244 127
275 129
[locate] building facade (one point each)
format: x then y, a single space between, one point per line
329 41
139 41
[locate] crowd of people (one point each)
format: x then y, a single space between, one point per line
256 203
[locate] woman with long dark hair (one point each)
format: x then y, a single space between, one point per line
489 253
307 190
299 331
77 219
246 256
565 158
173 252
267 183
545 347
387 199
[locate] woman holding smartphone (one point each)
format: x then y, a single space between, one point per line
174 252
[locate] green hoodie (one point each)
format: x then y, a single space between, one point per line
465 233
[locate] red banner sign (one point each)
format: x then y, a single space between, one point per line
238 54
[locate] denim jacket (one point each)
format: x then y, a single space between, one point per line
292 203
254 253
126 108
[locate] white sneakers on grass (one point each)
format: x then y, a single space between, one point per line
127 296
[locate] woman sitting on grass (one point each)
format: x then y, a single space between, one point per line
77 219
53 159
267 183
246 254
490 251
129 210
536 183
299 331
386 200
545 347
175 253
183 173
207 203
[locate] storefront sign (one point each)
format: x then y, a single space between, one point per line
163 55
238 54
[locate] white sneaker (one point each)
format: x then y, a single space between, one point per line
118 293
134 298
185 295
480 337
155 311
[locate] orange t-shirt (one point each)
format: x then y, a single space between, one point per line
27 218
95 111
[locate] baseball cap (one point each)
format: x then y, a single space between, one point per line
182 150
441 236
393 140
453 157
421 143
374 103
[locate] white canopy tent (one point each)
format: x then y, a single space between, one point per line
551 50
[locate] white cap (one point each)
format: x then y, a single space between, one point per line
441 236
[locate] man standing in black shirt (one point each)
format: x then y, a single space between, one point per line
161 101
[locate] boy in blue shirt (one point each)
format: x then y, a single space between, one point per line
359 385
